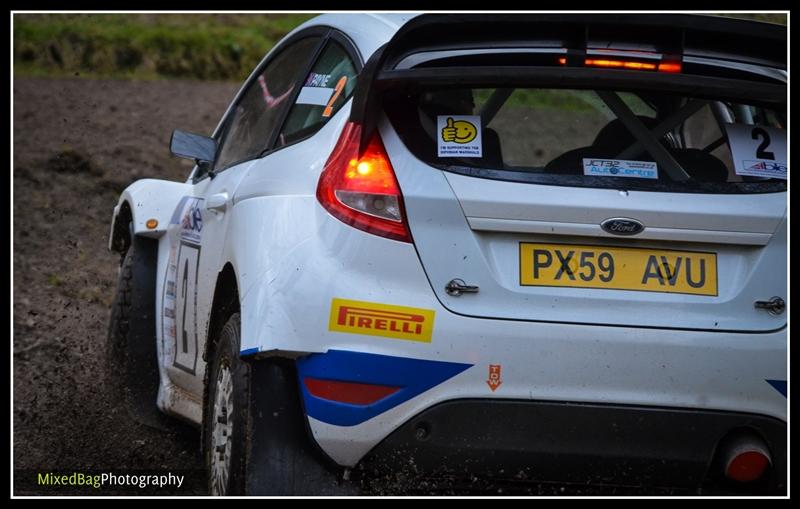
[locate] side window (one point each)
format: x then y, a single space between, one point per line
326 88
260 107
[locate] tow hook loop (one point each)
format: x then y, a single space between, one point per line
457 286
775 306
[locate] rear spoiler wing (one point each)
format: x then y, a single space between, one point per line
738 43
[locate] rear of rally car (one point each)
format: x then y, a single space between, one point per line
561 254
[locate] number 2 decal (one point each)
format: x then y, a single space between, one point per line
184 336
186 345
761 152
336 92
758 150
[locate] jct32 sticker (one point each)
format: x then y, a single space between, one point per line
620 168
373 319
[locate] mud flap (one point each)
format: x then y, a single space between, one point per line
282 458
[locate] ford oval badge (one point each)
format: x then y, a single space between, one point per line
622 226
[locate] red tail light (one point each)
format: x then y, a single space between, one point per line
361 189
625 64
664 66
348 392
669 67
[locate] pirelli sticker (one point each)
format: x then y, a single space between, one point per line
372 319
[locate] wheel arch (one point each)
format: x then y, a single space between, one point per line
120 238
224 304
140 202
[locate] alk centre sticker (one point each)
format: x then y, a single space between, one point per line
459 135
389 321
758 151
620 168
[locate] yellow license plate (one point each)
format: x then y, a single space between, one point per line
617 268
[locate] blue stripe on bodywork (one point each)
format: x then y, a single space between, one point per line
249 351
780 385
413 376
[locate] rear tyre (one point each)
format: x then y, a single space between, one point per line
256 439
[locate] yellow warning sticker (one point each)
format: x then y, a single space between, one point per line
373 319
460 136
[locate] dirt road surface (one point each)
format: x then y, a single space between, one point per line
77 144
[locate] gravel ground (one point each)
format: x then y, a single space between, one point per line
77 144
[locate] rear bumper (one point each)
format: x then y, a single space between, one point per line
700 371
523 441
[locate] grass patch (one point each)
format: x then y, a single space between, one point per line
152 46
148 46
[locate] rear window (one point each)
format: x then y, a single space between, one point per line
593 138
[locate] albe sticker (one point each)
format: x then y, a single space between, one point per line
620 168
192 220
459 135
758 151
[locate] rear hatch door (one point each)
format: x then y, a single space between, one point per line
621 173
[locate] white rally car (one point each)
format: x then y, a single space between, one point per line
525 247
